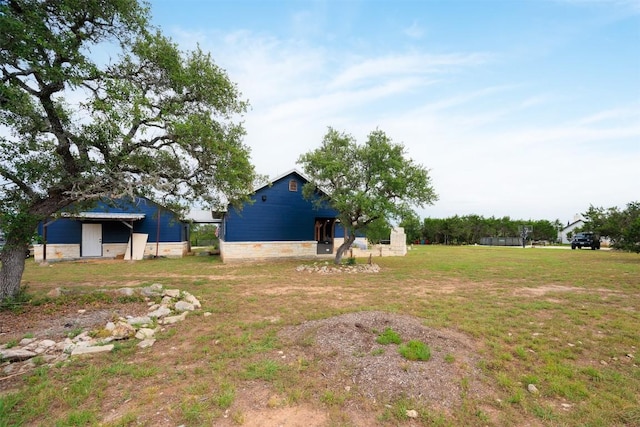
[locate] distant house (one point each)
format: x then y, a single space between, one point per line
280 223
127 228
570 229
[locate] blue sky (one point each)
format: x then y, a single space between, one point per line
527 109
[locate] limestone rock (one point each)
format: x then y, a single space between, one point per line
174 319
123 331
146 343
153 290
126 291
16 354
26 341
184 306
159 312
531 388
141 320
172 293
92 349
144 333
191 299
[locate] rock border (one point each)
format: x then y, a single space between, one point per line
30 353
327 268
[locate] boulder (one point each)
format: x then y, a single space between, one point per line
184 306
16 354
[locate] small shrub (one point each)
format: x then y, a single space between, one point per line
389 336
415 350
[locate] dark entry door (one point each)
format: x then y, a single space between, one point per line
324 235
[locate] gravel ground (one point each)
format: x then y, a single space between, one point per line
349 356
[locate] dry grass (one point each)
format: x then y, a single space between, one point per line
563 320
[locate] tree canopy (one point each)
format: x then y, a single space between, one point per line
469 229
621 226
365 183
96 103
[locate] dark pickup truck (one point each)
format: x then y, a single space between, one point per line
585 240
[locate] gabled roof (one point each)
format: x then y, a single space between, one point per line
573 224
286 174
282 176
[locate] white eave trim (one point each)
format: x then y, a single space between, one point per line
104 216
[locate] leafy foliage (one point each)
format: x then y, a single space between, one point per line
621 226
470 229
150 120
365 183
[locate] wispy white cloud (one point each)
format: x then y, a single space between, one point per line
364 70
414 31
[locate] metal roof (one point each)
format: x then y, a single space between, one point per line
105 216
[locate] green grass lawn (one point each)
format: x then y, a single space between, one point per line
566 321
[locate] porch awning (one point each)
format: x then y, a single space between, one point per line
104 216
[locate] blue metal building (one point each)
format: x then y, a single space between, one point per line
106 229
279 213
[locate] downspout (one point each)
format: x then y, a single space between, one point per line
131 241
44 240
158 232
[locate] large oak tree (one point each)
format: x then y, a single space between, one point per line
365 183
96 103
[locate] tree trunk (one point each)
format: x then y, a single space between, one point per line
12 257
343 247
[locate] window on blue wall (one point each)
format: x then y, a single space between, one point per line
293 185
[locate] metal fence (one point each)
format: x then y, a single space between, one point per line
501 241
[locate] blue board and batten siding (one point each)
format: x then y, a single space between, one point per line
277 214
69 230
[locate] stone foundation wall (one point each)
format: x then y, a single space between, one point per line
252 251
58 252
397 247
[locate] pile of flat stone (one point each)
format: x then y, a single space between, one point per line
173 307
326 268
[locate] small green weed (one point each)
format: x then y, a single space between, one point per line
331 398
415 350
77 418
12 343
225 396
264 370
74 332
377 352
389 336
543 412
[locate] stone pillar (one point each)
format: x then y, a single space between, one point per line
398 241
